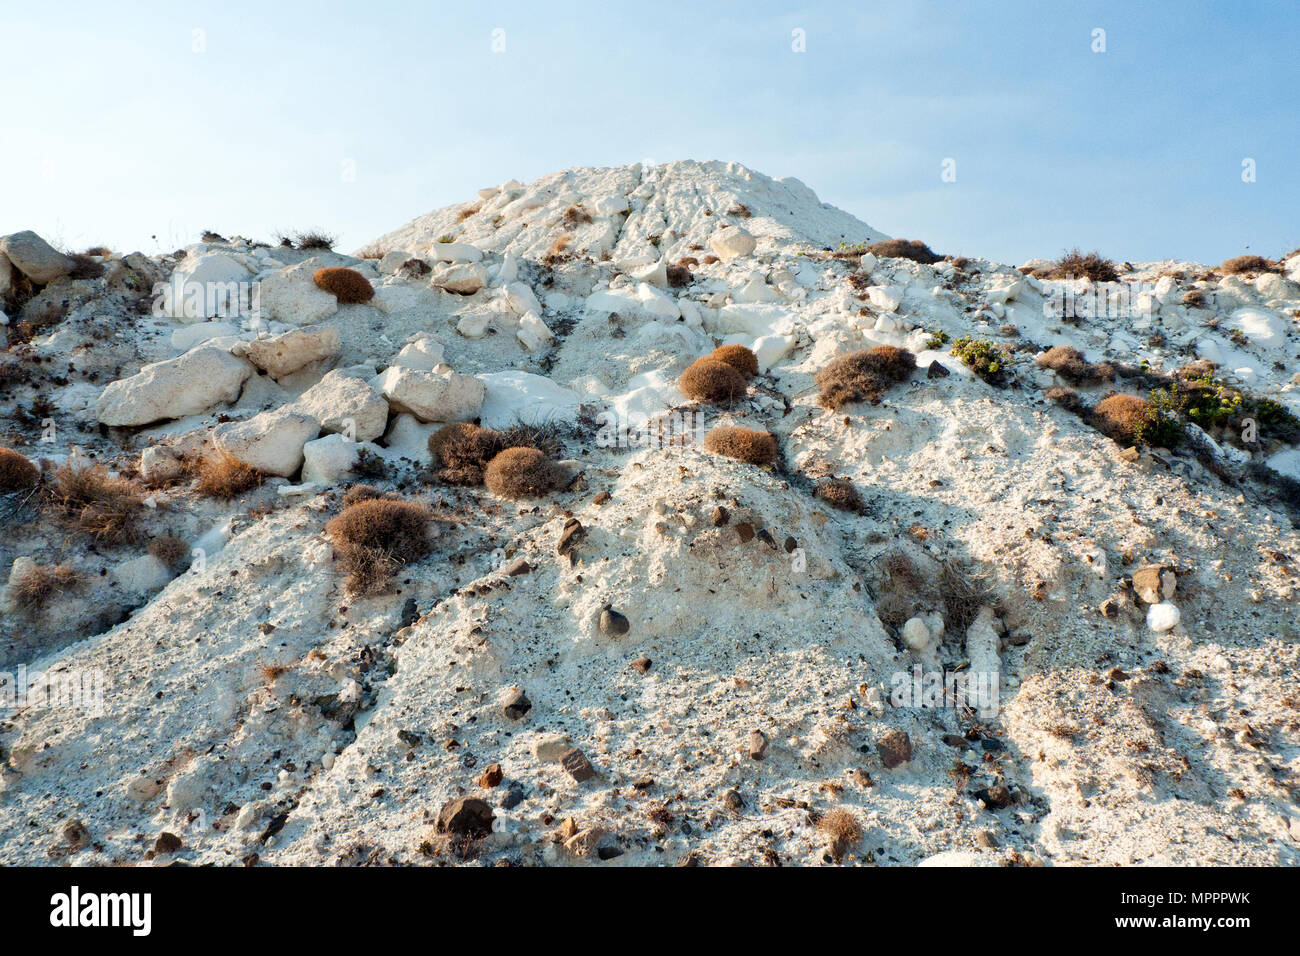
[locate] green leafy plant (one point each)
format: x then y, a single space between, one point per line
989 361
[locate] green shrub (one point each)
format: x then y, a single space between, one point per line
989 361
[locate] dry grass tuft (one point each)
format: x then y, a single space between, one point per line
839 493
575 215
37 586
349 286
372 251
842 829
913 249
1122 417
315 241
1240 264
1069 363
375 537
223 476
17 473
738 357
463 450
1076 265
679 275
863 375
97 503
84 267
1067 398
521 473
742 444
708 380
170 550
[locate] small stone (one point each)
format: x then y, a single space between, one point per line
517 567
1018 638
586 842
551 747
916 634
576 764
954 740
516 705
937 370
167 843
492 776
570 537
895 749
1163 617
757 744
1148 583
1129 454
76 835
613 624
790 545
1109 608
641 665
513 796
466 816
766 537
720 516
986 839
733 800
601 498
746 532
996 797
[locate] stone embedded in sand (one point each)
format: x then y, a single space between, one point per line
424 351
492 776
466 816
996 797
516 705
570 537
533 334
916 635
937 369
271 442
473 326
576 765
551 747
186 385
455 252
282 354
35 258
344 403
440 395
641 665
729 242
886 298
757 745
326 460
1154 583
464 278
613 624
895 749
159 464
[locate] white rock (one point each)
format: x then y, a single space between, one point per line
1163 617
344 403
731 242
327 459
409 438
186 337
770 349
455 252
533 333
178 387
280 355
756 290
424 351
392 261
474 325
512 397
142 575
292 297
464 278
519 298
916 634
34 257
1263 328
657 305
205 286
440 395
158 463
270 442
888 298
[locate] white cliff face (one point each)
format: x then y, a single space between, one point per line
708 625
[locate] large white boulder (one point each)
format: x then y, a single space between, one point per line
513 397
270 442
730 242
464 278
280 355
186 385
519 298
292 297
211 285
188 336
345 403
326 460
423 352
439 395
533 334
1264 328
34 257
455 252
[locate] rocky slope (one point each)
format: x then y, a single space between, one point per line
711 667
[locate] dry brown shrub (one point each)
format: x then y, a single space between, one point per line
1076 265
222 475
1070 364
1240 264
863 375
102 505
375 537
37 586
349 286
463 450
1067 398
839 493
842 828
742 444
521 473
17 473
743 360
1122 417
169 549
913 249
708 380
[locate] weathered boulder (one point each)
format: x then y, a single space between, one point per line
211 285
343 402
292 297
34 257
730 242
440 395
186 385
327 459
463 278
282 354
270 442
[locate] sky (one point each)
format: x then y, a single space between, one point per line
1172 134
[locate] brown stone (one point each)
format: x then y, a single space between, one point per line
517 705
895 749
745 531
601 498
720 516
757 744
465 816
641 665
613 624
492 776
576 764
167 843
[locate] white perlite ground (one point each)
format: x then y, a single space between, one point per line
256 711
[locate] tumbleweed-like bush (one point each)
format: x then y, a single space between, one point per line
375 537
742 444
738 357
349 286
863 375
708 380
17 473
521 473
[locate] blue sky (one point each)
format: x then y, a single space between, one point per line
122 130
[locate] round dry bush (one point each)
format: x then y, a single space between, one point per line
913 249
708 380
1070 364
1067 398
839 493
743 444
1122 417
1239 264
864 375
398 528
463 450
16 472
521 473
349 286
738 357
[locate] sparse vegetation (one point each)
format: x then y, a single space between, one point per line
989 361
84 267
679 276
375 537
742 444
1239 265
937 340
462 451
839 493
414 268
576 215
1067 398
1070 364
913 249
17 473
738 357
349 286
37 586
315 241
709 380
863 375
842 829
104 506
170 550
221 475
373 251
1123 418
521 473
1078 265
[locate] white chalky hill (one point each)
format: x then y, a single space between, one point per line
714 659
